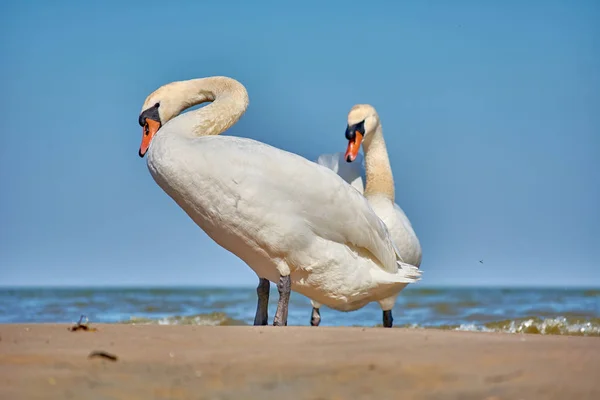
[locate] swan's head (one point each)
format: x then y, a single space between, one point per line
157 110
362 121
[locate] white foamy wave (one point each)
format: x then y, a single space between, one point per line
547 326
212 319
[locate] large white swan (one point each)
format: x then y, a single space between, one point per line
291 220
364 127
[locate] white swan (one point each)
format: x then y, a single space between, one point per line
292 221
364 127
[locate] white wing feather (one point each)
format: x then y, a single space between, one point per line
353 173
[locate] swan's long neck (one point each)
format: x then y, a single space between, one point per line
229 102
380 180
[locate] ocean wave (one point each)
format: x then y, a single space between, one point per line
211 319
536 325
591 293
530 325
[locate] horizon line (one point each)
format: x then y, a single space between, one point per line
252 286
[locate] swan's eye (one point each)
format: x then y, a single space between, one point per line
352 130
157 105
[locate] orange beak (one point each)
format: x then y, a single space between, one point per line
353 146
148 131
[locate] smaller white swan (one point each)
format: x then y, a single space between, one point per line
364 128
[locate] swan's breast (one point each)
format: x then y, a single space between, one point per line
400 228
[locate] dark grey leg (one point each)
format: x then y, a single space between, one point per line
388 321
315 319
262 309
285 287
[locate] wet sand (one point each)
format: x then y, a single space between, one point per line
42 361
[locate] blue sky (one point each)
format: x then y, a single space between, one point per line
490 112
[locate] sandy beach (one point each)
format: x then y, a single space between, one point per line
47 361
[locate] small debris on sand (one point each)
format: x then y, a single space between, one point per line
81 326
103 354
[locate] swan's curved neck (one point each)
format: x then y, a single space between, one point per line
380 180
229 102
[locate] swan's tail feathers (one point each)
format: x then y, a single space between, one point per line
406 274
410 270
